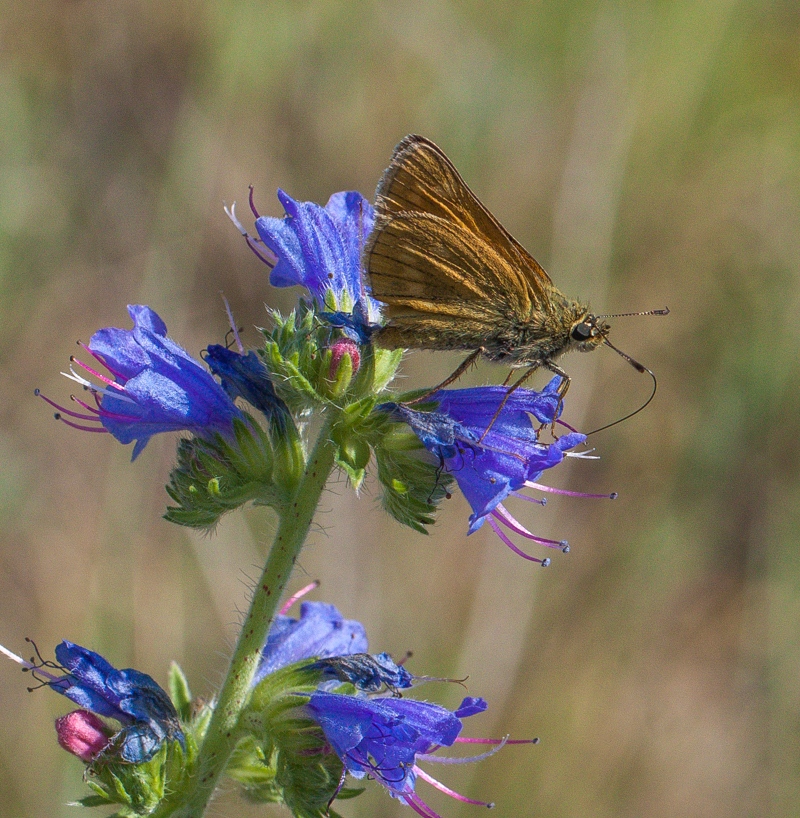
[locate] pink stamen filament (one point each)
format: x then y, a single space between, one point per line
261 252
503 741
94 372
542 501
81 428
253 244
99 358
500 533
301 593
63 410
419 806
566 425
251 200
452 793
565 493
501 513
95 411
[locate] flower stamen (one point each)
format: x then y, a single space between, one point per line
447 791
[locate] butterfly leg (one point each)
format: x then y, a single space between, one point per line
562 390
528 372
457 373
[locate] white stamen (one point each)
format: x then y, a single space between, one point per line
14 658
20 661
116 393
230 212
587 455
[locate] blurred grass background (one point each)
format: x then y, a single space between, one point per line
648 154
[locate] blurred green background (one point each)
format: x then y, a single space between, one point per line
648 154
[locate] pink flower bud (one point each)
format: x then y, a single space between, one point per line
83 734
339 348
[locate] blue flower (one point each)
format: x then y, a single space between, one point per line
320 632
246 377
129 696
368 672
385 737
320 248
491 465
155 386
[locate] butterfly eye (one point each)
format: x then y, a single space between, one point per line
582 331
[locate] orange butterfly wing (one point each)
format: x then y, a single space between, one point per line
436 251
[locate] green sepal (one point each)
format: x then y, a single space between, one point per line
413 482
153 788
283 756
90 801
386 363
215 476
291 353
333 389
352 436
178 689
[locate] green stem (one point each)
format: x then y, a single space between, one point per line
295 520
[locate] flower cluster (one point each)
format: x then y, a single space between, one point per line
305 704
381 736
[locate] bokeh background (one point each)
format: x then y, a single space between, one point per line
648 154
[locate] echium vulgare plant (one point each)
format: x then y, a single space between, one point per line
304 706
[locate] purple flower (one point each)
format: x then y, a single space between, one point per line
319 248
129 696
155 386
320 632
386 737
491 465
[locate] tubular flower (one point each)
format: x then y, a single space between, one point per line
155 386
493 457
320 632
320 247
132 698
368 672
246 376
385 737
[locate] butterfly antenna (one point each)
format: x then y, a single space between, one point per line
639 368
665 311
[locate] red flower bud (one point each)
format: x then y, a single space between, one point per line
83 734
339 348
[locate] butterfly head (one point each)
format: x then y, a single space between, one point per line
588 332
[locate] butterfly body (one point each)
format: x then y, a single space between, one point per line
452 277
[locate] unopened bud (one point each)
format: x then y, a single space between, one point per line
340 348
345 359
83 734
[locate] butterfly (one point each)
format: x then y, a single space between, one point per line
452 277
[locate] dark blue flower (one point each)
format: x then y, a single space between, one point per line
246 377
129 696
491 465
385 737
155 386
320 248
368 672
321 631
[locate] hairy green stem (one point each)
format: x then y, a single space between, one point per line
295 521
